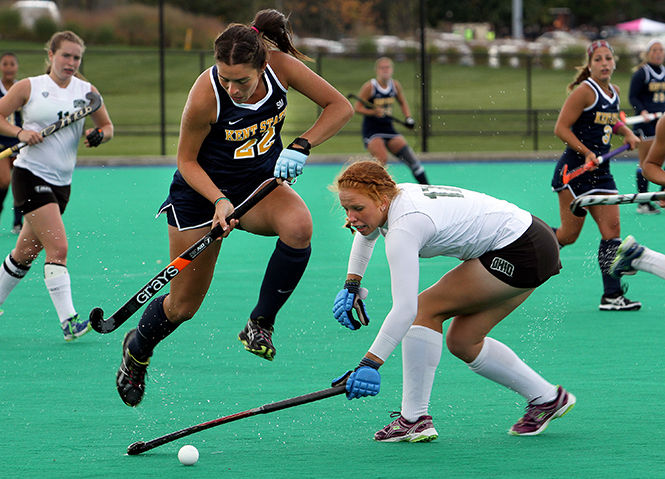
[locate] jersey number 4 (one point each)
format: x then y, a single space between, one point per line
255 147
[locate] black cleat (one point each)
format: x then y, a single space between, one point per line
130 380
258 340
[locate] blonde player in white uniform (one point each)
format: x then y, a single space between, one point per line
42 174
506 253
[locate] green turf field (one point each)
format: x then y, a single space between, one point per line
62 417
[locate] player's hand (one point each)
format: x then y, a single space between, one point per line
365 380
633 140
223 208
348 299
94 137
591 158
30 137
410 123
290 162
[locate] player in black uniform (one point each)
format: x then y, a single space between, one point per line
379 135
647 95
230 144
589 117
9 71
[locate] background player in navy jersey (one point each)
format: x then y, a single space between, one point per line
229 144
647 95
379 135
8 72
589 117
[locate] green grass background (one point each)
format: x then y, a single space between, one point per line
62 417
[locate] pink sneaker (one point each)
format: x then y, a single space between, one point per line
401 430
538 416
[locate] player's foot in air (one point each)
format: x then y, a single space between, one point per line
538 416
130 380
647 209
401 430
258 340
627 252
75 327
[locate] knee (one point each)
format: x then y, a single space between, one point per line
460 345
179 312
567 237
299 235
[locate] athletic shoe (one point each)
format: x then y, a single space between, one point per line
538 416
258 340
401 430
647 209
627 252
130 380
75 327
16 229
619 303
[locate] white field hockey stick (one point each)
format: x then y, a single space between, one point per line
632 120
578 204
93 106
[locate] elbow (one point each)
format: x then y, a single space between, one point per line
348 110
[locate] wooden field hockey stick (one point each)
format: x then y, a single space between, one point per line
632 120
589 165
140 446
367 104
578 204
165 276
95 101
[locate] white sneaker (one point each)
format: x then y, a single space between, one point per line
647 209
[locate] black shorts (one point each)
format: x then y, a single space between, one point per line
186 209
32 192
528 261
597 181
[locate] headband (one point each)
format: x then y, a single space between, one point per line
254 28
653 42
598 44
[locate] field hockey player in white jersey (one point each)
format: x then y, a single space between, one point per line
42 175
505 252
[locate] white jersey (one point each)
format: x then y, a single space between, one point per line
54 159
426 221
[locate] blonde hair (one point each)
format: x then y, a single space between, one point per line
56 41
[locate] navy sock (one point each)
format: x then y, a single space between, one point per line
285 268
18 217
153 327
642 182
3 195
606 252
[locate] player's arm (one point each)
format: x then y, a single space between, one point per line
364 94
17 96
103 130
652 165
401 99
336 109
199 113
577 101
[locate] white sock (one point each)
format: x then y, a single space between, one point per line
10 275
498 363
421 352
56 278
650 261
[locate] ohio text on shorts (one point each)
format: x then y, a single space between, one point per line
528 261
32 192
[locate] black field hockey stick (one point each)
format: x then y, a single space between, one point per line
162 278
141 446
589 165
578 204
95 102
367 104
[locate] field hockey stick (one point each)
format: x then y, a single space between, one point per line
162 278
93 106
589 165
367 104
632 120
141 446
578 204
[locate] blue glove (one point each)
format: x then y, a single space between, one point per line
351 297
365 380
291 160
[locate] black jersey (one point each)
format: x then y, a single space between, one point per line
647 92
385 98
594 126
245 140
14 119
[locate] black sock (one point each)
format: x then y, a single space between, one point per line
285 268
18 217
153 327
606 253
422 178
642 182
3 195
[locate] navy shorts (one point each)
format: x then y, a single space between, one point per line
528 261
32 192
186 209
372 130
599 180
645 129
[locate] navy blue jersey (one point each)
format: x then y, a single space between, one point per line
594 125
244 143
647 92
385 98
14 119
